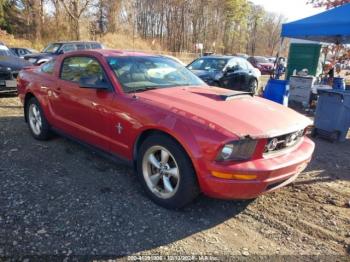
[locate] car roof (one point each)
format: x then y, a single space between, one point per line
75 42
221 57
111 52
217 56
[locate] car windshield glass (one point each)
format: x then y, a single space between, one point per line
52 48
139 73
261 59
4 51
208 64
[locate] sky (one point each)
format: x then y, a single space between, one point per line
292 9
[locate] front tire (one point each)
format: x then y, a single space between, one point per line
37 122
253 86
166 172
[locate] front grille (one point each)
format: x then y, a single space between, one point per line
279 143
8 75
5 76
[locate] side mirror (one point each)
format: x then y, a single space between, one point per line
230 69
91 82
61 52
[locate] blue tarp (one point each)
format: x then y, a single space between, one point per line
332 26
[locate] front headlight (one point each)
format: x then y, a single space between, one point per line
32 60
237 150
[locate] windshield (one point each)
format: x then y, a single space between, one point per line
208 64
4 51
52 48
261 59
142 73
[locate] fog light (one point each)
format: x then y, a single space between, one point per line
234 176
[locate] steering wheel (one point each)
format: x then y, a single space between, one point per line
125 77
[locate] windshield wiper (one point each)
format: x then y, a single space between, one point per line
142 89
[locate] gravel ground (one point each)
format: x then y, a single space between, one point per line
59 198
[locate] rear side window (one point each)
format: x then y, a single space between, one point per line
77 67
22 52
95 46
68 48
80 46
48 67
88 46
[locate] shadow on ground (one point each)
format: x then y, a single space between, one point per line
57 197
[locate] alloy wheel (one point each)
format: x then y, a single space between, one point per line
35 120
161 172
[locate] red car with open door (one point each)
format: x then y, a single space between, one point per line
182 136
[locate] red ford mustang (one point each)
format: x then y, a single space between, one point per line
182 136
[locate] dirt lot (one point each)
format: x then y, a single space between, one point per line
59 198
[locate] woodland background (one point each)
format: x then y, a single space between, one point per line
223 26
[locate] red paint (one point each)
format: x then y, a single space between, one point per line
194 116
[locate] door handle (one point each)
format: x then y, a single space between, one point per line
58 89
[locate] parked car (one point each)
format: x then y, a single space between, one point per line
9 68
271 59
175 59
21 52
182 136
245 56
261 63
229 72
58 48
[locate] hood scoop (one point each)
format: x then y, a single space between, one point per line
225 96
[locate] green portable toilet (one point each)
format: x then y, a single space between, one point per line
303 56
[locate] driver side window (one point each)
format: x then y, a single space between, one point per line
68 48
232 64
75 68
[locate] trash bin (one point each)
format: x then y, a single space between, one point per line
332 119
339 83
277 91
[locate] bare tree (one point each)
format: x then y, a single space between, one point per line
75 10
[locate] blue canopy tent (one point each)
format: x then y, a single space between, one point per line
332 26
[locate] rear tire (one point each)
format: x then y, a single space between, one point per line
37 122
166 172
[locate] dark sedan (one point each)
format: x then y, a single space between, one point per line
229 72
10 65
58 48
22 51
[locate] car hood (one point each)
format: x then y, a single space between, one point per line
242 115
205 74
13 62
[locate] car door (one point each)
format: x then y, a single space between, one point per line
82 112
232 78
247 74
